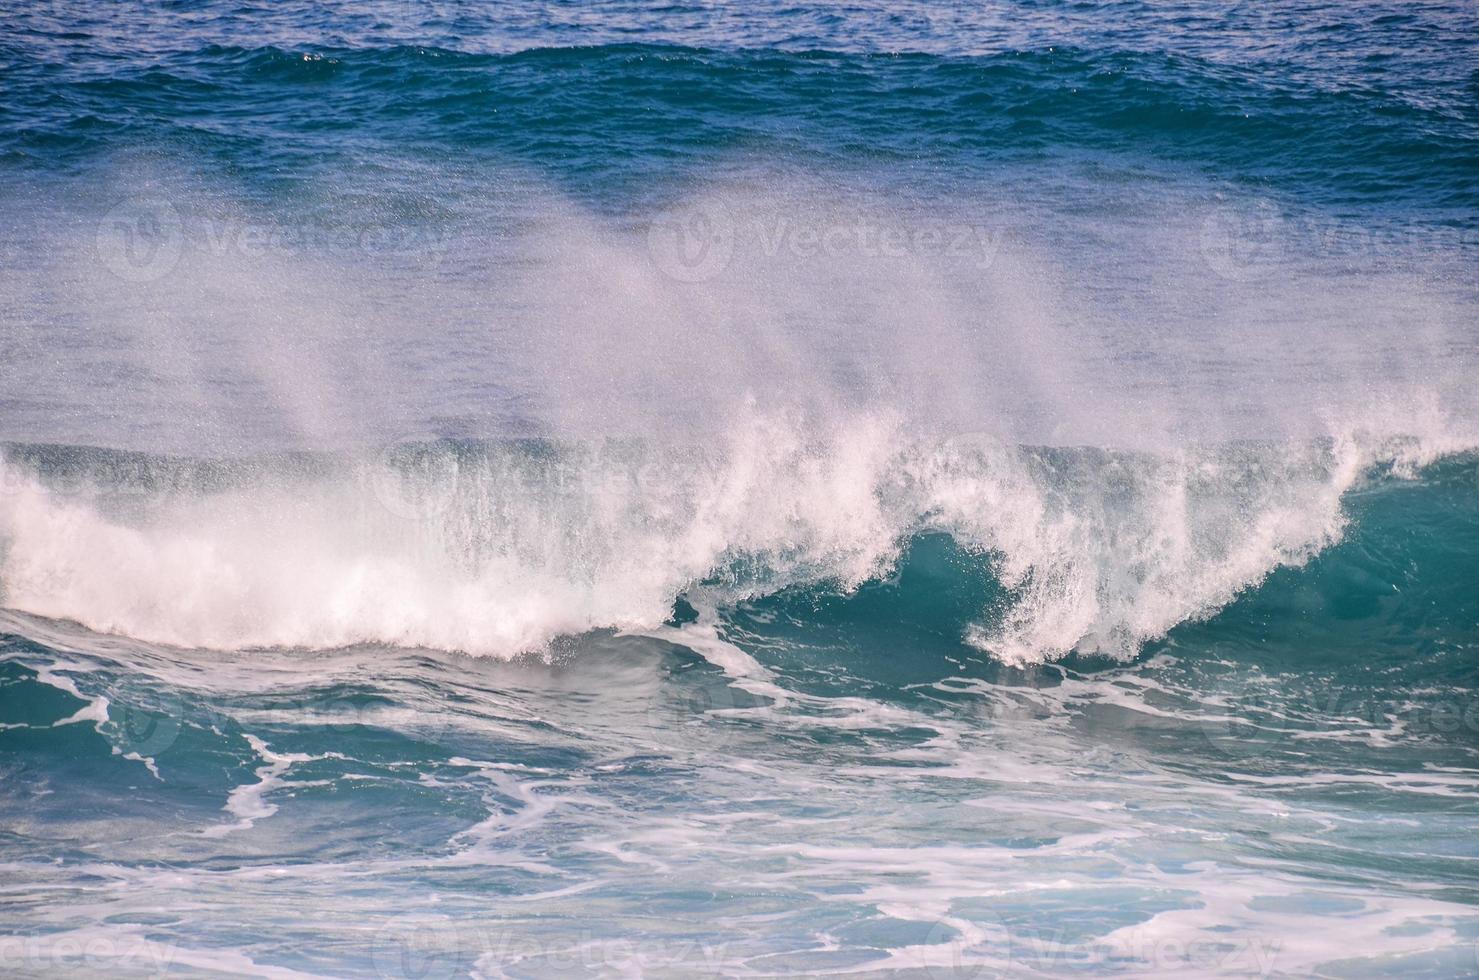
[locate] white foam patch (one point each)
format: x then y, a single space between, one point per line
95 711
248 802
498 552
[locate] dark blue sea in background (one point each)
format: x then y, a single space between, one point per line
713 489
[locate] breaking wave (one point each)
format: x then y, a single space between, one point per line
497 548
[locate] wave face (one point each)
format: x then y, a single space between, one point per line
996 107
671 489
1013 81
531 812
499 548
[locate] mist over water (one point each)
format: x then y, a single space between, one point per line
673 491
751 388
1194 316
796 386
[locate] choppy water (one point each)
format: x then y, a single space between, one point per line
538 489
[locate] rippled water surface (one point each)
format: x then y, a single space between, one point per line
711 489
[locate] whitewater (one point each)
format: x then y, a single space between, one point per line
884 490
498 549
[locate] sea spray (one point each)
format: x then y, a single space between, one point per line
498 548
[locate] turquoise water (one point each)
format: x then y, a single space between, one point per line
672 490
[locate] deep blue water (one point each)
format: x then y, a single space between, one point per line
711 489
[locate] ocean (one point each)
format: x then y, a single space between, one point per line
677 489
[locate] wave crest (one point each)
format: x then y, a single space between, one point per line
497 548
